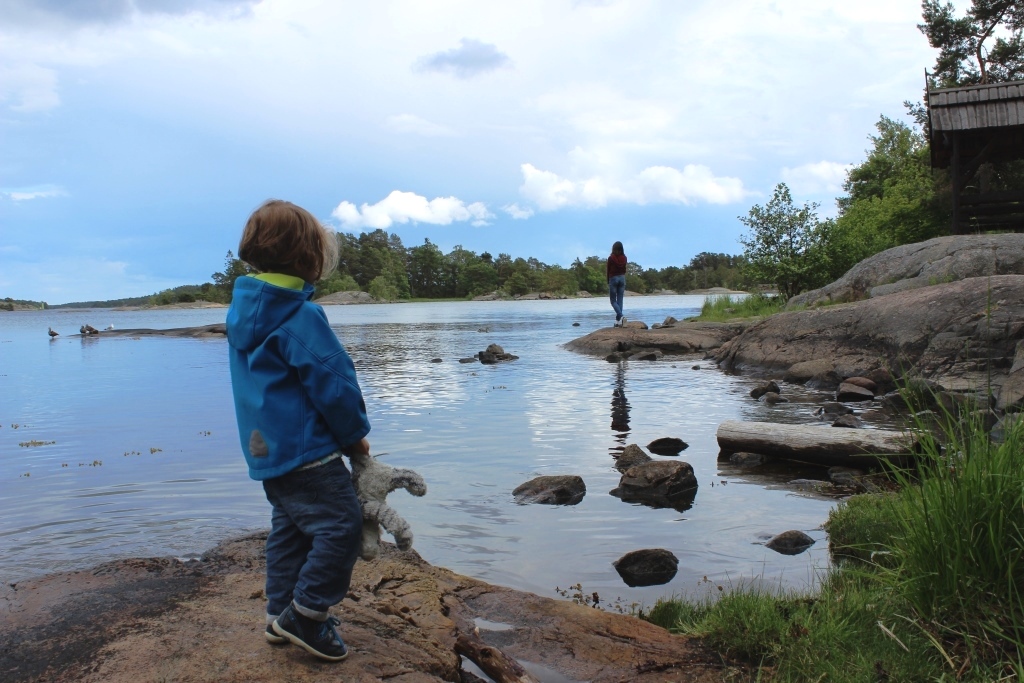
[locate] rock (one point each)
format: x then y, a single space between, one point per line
923 264
659 483
344 298
862 382
883 380
667 445
763 388
494 354
669 321
634 324
468 360
832 409
436 360
742 459
631 455
566 489
1011 393
771 398
681 338
649 567
575 324
812 485
960 334
695 367
804 371
790 542
850 421
647 354
852 392
895 402
850 478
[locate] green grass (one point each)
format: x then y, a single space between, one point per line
721 308
935 593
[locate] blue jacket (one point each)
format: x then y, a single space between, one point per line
295 389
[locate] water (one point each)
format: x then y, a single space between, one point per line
145 459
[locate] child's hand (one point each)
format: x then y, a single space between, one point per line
361 447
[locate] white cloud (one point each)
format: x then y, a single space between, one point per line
28 88
405 207
471 58
20 194
414 125
816 178
653 185
517 212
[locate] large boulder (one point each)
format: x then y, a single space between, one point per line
943 259
648 567
791 542
659 483
963 334
565 489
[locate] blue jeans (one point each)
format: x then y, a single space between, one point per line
616 290
315 538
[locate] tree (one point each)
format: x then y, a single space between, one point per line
784 246
233 269
964 58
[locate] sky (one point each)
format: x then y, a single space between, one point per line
136 136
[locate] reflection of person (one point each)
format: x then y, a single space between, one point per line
616 275
298 407
620 409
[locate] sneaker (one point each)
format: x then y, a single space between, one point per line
316 637
622 322
272 637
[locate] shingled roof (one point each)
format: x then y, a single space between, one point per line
977 114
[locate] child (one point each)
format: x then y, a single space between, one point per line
615 272
298 407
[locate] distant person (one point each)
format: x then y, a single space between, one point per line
298 407
616 274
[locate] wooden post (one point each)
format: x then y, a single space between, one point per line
955 172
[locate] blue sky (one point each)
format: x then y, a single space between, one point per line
137 135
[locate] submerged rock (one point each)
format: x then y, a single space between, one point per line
790 542
565 489
764 388
659 483
667 445
648 567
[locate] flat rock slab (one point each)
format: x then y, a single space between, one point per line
681 338
161 619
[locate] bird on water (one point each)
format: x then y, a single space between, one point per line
52 333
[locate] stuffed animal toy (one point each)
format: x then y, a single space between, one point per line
373 481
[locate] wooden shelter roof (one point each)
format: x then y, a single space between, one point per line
978 115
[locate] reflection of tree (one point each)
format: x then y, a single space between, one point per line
620 410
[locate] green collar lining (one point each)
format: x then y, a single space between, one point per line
281 280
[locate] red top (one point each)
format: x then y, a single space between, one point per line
616 265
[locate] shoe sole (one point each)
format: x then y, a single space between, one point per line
295 640
274 639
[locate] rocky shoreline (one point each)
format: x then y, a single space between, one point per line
404 620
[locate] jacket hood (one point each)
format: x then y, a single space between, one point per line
258 308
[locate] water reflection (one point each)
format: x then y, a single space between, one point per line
620 411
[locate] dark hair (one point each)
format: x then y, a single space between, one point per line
280 237
617 248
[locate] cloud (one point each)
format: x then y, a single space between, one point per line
414 125
517 212
403 207
653 185
21 194
816 178
28 88
471 58
113 11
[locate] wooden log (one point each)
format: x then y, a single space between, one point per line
492 661
817 445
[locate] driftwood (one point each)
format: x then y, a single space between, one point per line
815 444
492 661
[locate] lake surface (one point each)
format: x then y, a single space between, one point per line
139 452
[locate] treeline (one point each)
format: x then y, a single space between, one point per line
378 263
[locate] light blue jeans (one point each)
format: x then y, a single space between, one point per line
315 537
616 290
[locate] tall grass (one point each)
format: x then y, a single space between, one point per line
720 308
937 594
959 555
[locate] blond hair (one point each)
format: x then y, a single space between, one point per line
280 237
